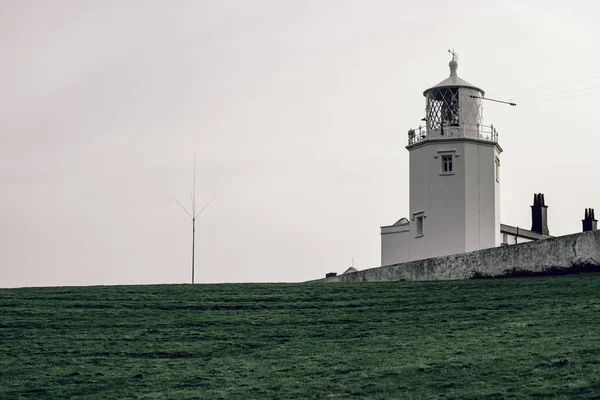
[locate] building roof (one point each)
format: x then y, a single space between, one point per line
401 221
351 269
453 81
520 232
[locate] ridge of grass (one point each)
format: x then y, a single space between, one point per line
476 339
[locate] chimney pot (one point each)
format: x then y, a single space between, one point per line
539 215
589 223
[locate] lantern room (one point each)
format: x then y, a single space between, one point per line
453 109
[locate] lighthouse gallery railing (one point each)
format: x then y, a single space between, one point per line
481 132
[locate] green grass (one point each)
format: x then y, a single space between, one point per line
478 339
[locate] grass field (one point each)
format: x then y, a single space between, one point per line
484 339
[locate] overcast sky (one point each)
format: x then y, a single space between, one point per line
297 112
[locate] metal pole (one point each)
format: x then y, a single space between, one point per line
194 221
193 245
193 215
497 101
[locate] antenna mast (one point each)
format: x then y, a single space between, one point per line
193 215
510 103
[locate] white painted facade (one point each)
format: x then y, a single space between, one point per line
454 179
395 242
460 208
515 235
509 238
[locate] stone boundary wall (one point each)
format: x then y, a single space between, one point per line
563 254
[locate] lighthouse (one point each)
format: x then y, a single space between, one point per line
454 189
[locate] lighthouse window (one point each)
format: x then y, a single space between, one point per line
450 108
497 169
447 163
419 226
443 108
419 218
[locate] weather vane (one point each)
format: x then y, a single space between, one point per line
454 54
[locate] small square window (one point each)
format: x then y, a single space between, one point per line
447 163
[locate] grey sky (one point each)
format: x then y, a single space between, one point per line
297 112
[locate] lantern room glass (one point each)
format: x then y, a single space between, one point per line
443 108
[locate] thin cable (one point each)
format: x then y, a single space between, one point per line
545 86
182 207
561 98
556 93
200 212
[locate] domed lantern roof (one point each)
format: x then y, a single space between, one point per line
453 81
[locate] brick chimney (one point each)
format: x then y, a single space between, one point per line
589 223
539 215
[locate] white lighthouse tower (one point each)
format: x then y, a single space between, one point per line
454 178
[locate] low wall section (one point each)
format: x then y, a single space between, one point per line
549 256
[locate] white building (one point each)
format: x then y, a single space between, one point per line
454 181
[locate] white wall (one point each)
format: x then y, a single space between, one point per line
395 242
441 197
498 182
461 209
571 253
510 239
482 212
